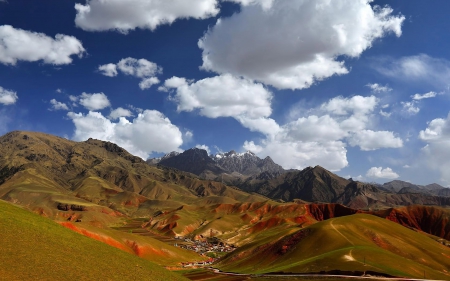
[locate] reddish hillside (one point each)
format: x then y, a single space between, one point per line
432 220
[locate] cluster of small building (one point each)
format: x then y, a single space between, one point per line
210 261
204 246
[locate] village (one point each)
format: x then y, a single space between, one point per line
210 247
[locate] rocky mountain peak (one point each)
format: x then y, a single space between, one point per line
197 161
246 163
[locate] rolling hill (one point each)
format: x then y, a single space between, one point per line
356 243
36 248
99 190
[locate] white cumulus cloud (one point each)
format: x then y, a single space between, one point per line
126 15
22 45
410 107
380 173
424 96
149 132
420 68
222 96
95 101
266 4
56 105
148 82
204 147
372 140
120 112
8 97
321 139
109 69
436 152
294 43
140 68
377 88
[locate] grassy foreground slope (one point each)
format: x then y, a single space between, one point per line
352 243
36 248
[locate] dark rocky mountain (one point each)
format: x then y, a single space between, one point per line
194 160
229 167
320 185
397 185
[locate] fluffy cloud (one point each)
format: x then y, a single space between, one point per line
267 126
410 107
436 153
380 173
8 97
96 101
353 113
222 96
120 112
205 147
314 128
424 96
377 88
420 68
18 44
371 140
126 15
295 43
109 69
56 105
149 132
322 138
141 68
148 82
298 154
266 4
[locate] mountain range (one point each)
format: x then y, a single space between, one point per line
312 184
301 221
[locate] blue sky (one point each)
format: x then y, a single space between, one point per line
358 87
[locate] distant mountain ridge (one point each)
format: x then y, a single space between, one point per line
402 187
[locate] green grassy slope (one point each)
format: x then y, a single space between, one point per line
36 248
352 243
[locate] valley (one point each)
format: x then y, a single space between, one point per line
233 212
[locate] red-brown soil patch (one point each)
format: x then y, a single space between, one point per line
322 212
102 238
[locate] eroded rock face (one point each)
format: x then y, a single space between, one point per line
194 160
246 163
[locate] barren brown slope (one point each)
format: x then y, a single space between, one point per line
44 171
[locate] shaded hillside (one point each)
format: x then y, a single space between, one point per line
36 248
320 185
358 243
101 180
